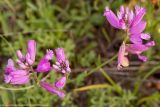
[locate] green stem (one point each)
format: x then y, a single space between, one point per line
17 89
90 87
126 37
103 64
107 77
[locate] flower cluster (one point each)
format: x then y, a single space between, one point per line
61 66
22 73
132 23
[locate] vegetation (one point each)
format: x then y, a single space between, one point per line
91 45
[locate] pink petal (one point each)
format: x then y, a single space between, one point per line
143 58
49 55
61 82
19 72
20 80
136 48
138 17
43 66
138 28
122 60
10 63
57 63
10 66
145 36
28 59
20 55
7 78
60 54
49 88
32 49
63 71
57 68
135 38
120 12
21 64
112 19
150 44
131 15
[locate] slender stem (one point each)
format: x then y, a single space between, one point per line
17 89
126 37
107 77
96 86
103 64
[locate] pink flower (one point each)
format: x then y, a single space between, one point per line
15 76
51 89
24 61
62 64
61 82
44 65
129 20
122 59
126 19
137 49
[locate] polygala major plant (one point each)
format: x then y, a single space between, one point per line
23 72
131 22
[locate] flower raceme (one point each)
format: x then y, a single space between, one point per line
22 74
132 23
61 66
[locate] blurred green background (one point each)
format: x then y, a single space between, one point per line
88 39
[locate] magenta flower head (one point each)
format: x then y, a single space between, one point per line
62 64
61 82
122 59
125 18
15 76
44 65
51 89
